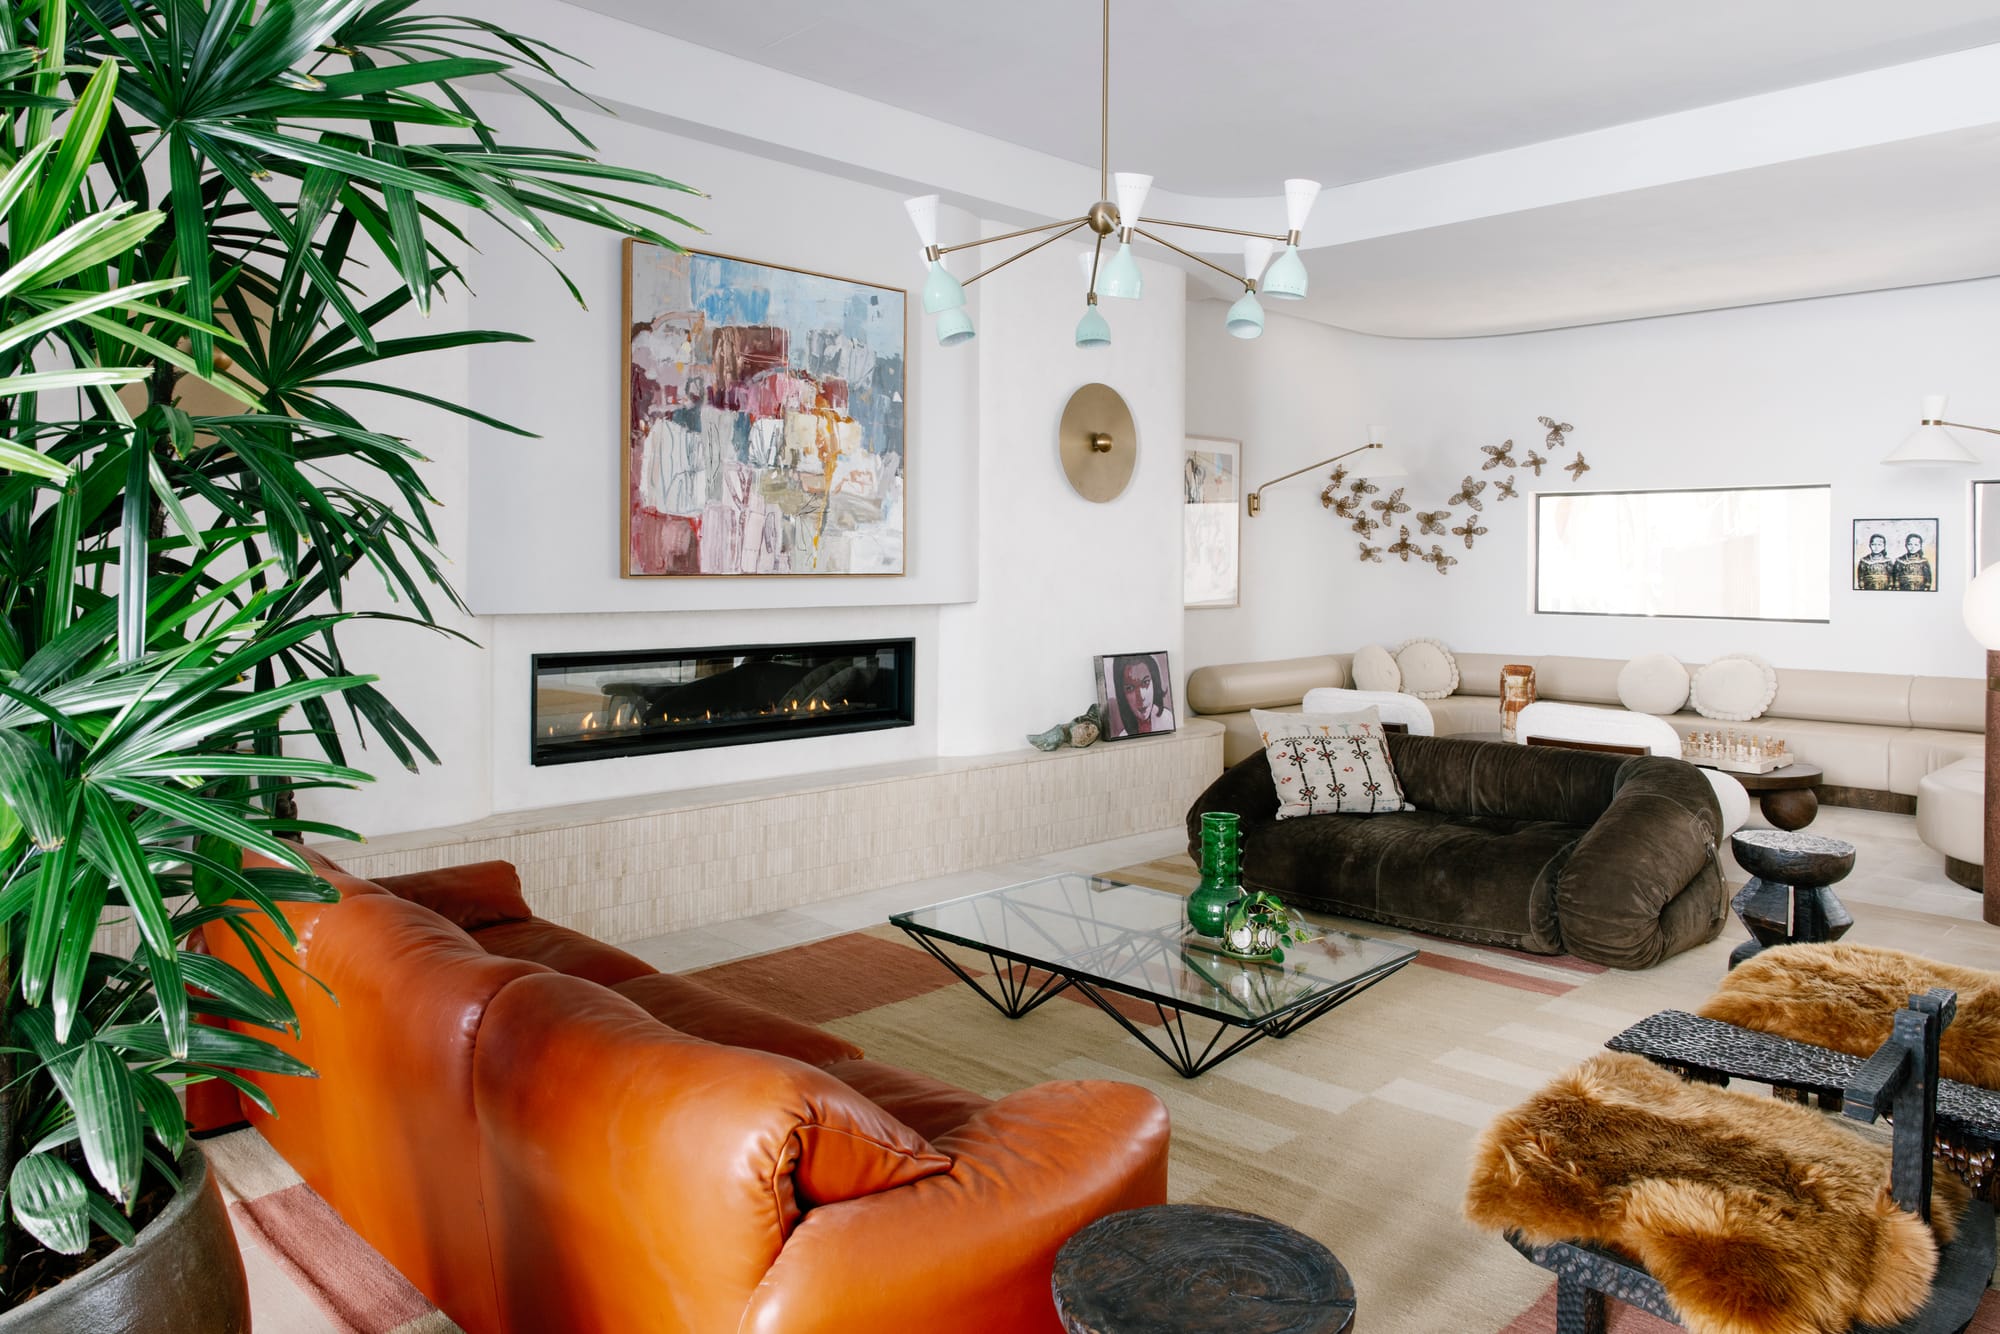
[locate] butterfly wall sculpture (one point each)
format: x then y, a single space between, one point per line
1370 553
1505 490
1346 507
1438 558
1470 531
1433 521
1403 547
1364 525
1498 456
1363 487
1338 475
1534 463
1390 505
1576 467
1557 430
1468 494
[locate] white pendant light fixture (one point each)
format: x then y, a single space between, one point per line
1931 442
1118 276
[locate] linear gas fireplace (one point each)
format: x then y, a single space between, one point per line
595 706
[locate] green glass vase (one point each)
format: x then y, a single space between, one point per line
1221 874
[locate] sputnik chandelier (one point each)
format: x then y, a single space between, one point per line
944 295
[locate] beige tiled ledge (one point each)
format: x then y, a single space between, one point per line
632 867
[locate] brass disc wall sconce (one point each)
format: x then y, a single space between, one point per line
1098 442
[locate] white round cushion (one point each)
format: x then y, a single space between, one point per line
1390 705
1734 689
1731 796
1951 810
1653 683
1429 671
1375 669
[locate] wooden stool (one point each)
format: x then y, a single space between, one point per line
1196 1269
1789 900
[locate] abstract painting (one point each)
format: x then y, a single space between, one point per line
1211 524
764 419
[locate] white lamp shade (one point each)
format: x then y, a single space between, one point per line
1256 254
1981 607
923 213
1299 197
1931 443
1131 189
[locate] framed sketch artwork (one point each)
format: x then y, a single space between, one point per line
1896 555
1211 521
1135 694
764 419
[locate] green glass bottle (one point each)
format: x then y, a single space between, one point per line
1221 877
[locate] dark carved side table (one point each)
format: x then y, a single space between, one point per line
1196 1269
1789 899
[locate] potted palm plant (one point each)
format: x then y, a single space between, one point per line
191 190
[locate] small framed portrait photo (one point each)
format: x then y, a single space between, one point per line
1135 693
1896 555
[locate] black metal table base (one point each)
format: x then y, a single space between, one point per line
1018 992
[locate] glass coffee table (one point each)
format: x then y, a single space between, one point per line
1109 939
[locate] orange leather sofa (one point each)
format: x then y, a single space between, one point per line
545 1134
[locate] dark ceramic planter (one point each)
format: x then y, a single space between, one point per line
184 1275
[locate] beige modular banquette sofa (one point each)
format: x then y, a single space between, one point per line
1877 736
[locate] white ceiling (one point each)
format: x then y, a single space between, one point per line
1229 99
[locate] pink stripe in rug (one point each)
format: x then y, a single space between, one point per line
359 1291
1567 962
1506 977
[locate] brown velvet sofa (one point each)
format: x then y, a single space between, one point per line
544 1133
1606 857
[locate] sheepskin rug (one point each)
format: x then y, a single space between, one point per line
1758 1216
1846 997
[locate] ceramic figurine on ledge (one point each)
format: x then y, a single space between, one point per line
1080 731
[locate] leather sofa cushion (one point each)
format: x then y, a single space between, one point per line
349 884
716 1016
469 897
1479 673
1923 750
562 949
1842 697
1228 687
928 1106
1953 703
1577 680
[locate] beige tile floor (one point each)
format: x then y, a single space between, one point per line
1898 894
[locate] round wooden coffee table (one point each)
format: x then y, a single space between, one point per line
1785 795
1196 1269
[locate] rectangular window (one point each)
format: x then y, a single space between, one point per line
1756 553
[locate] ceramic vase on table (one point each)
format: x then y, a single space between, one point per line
1221 874
1517 692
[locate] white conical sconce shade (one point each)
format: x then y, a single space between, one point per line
923 213
1299 197
941 290
1130 189
1121 275
1931 442
1256 254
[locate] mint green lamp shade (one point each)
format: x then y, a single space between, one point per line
1091 330
954 326
1286 278
941 290
1121 276
1246 317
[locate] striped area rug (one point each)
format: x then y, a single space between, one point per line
1355 1130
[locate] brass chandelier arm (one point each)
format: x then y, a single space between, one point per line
1056 236
1104 116
944 250
1256 497
1248 286
1282 238
1962 426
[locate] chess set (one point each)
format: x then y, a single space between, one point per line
1736 752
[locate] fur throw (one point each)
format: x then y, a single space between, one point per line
1846 997
1758 1216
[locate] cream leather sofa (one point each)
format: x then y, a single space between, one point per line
1872 734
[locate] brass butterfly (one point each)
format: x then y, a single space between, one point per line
1390 504
1557 430
1404 547
1505 490
1576 468
1339 475
1365 525
1498 456
1470 531
1347 507
1361 486
1370 553
1433 521
1534 463
1469 494
1439 559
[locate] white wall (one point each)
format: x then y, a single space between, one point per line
1813 391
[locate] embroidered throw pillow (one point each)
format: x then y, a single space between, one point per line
1328 763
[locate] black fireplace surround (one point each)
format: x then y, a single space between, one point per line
596 706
